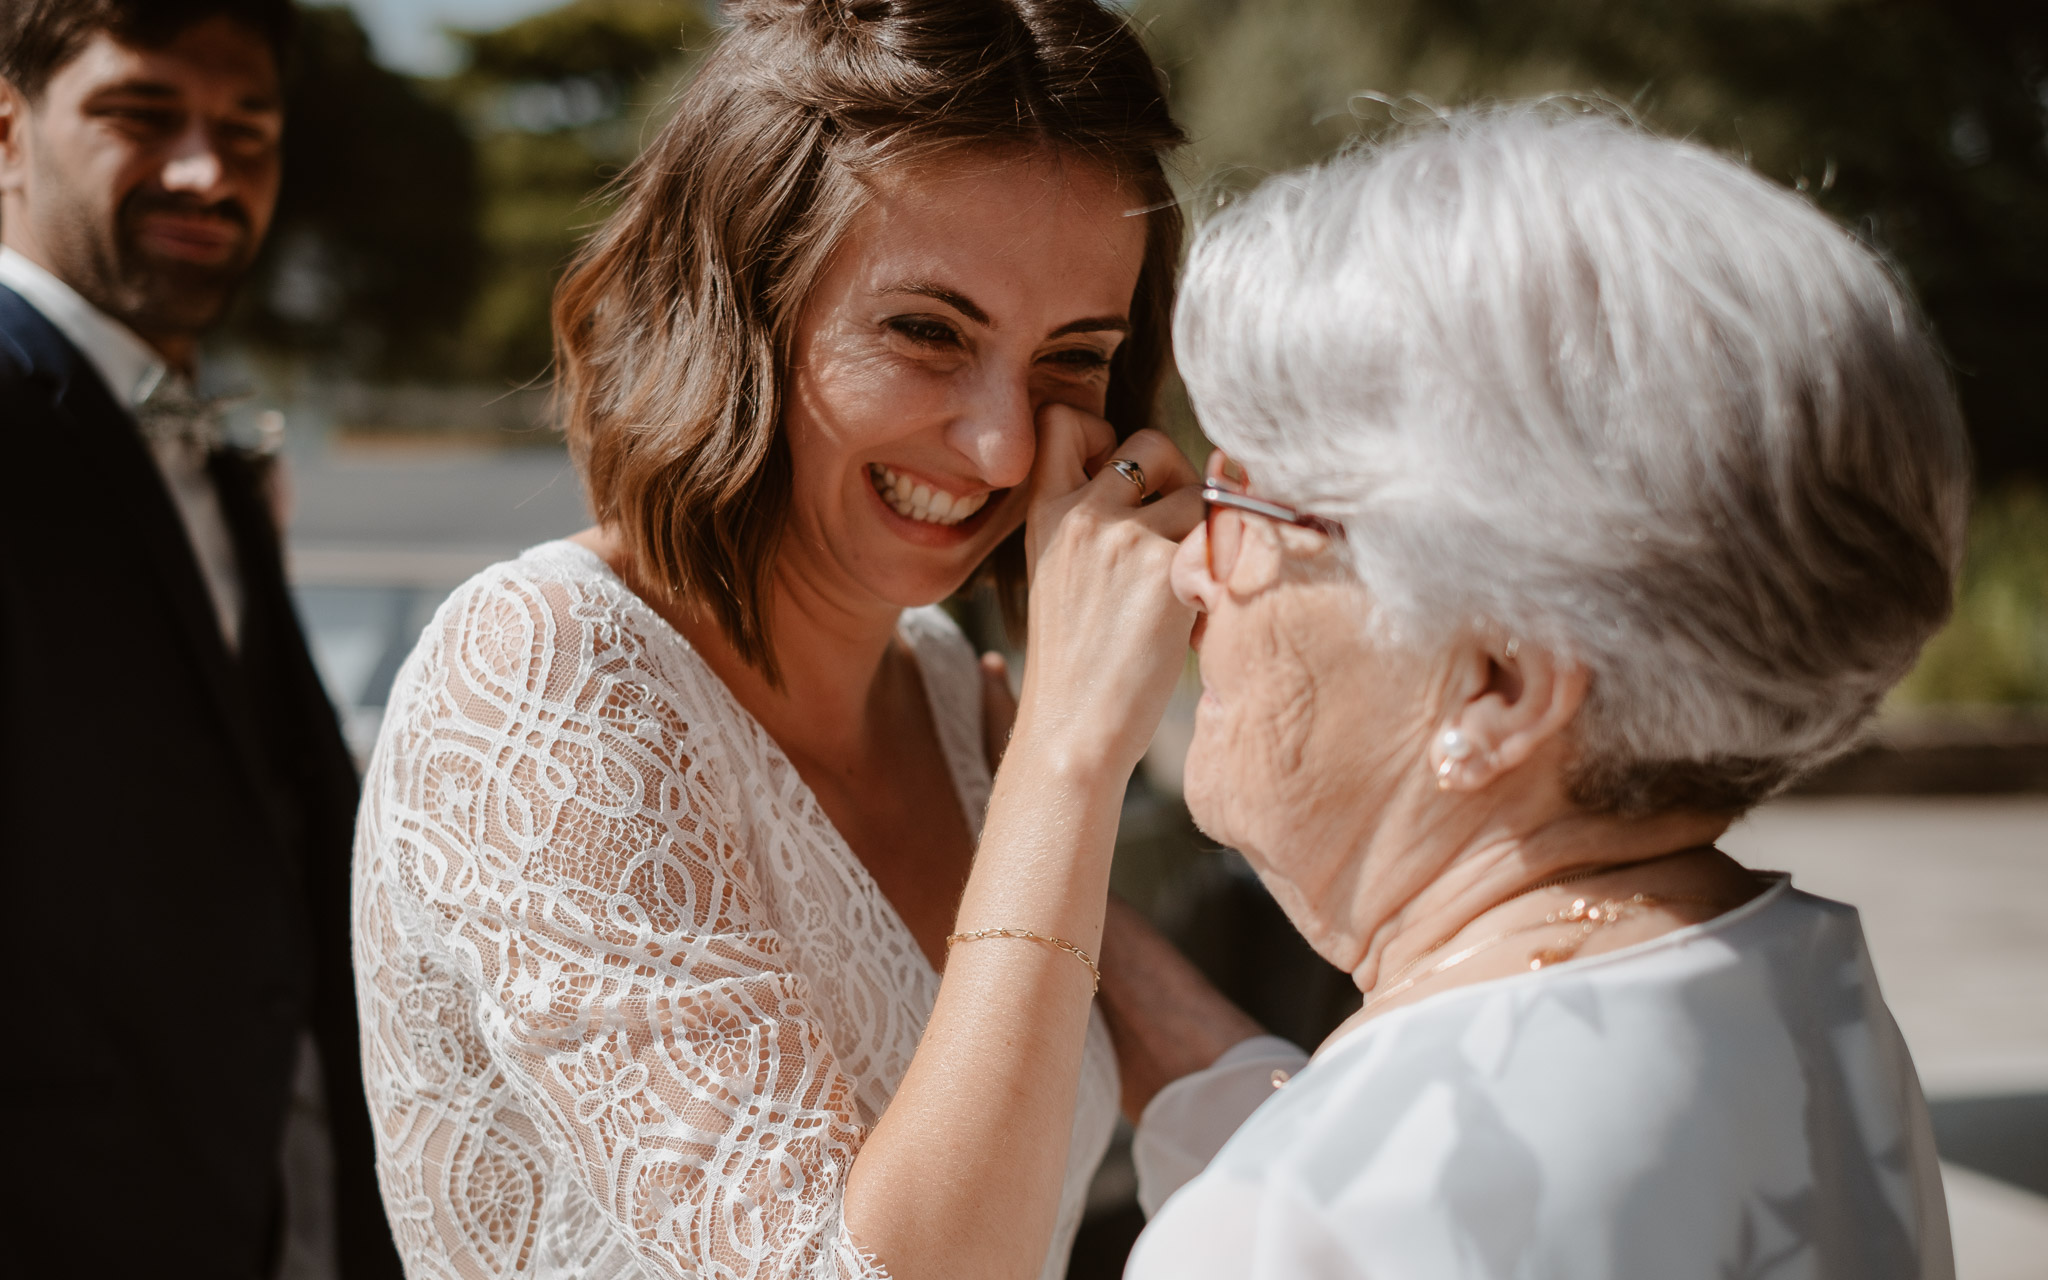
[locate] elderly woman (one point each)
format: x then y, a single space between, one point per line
672 824
1578 491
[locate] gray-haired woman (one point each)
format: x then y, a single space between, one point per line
1635 484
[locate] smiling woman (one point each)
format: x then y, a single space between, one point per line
967 291
682 308
693 931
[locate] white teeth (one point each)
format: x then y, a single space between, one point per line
920 501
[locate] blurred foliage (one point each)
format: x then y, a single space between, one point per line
1995 650
422 224
558 105
1923 125
373 259
618 41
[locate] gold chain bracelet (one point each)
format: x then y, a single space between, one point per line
1057 944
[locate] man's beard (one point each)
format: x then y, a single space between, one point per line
155 296
159 295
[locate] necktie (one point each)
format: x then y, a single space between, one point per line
172 413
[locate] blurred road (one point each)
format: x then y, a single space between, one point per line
425 500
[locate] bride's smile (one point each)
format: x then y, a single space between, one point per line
968 292
927 503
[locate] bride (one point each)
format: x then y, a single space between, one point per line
692 934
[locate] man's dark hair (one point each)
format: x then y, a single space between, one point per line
37 37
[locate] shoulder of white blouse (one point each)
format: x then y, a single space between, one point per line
951 670
931 630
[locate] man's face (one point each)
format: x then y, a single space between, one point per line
146 178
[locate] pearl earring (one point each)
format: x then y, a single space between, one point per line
1457 749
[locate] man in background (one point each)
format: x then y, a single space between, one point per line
175 797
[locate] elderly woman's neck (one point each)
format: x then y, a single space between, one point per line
1394 919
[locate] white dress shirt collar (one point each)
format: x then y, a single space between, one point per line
132 370
130 367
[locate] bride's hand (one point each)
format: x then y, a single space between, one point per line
1107 638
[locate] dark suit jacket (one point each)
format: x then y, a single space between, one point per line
176 818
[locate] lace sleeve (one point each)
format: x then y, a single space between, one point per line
550 813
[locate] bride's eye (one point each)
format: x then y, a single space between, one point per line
1080 359
925 331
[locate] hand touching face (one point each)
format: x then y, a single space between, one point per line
969 292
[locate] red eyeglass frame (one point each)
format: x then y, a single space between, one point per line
1217 498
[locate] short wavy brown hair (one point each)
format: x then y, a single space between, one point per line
674 325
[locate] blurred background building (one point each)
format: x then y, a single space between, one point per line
446 155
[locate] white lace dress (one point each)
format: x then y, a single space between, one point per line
630 1004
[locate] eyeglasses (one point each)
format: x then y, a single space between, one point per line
1225 505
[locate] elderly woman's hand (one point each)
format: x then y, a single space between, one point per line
1107 637
1166 1018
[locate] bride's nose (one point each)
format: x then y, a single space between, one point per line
996 432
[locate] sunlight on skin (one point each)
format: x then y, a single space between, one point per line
968 296
1314 753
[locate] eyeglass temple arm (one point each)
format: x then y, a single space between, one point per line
1211 493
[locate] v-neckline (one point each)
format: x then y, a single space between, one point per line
801 794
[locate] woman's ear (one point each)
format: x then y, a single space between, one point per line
1518 697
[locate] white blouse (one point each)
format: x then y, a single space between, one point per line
630 1004
1730 1100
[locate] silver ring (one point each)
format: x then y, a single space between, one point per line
1130 471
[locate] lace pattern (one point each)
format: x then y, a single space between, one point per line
630 1004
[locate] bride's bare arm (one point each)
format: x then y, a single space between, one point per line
961 1176
1166 1019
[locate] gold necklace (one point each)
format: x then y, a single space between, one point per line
1589 916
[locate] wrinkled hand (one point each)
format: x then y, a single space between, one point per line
1107 638
1164 1017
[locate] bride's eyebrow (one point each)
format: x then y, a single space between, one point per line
1094 324
951 297
965 306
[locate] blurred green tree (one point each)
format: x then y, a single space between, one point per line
1995 650
558 104
1923 125
373 258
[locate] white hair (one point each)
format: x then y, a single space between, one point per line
1614 394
